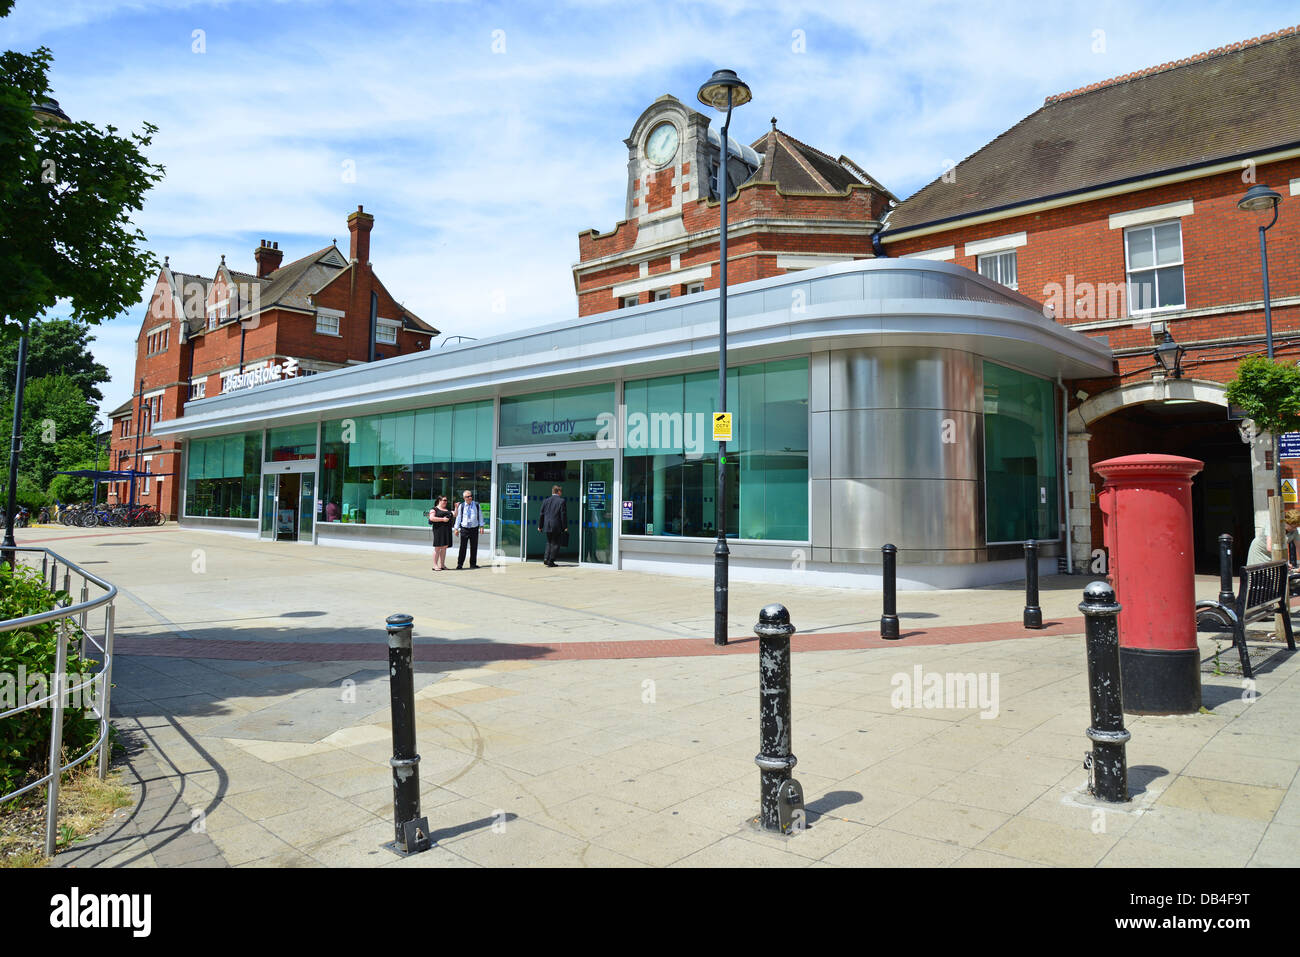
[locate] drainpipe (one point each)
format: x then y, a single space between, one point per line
877 246
1065 471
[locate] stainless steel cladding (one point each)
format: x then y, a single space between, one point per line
898 454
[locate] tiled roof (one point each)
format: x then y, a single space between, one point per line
186 284
1235 101
797 167
293 284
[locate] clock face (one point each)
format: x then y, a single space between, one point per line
661 144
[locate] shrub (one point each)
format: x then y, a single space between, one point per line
25 737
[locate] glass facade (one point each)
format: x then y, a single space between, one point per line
388 469
669 469
565 415
222 475
291 443
1020 456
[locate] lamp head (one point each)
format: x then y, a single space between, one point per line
1170 356
1259 197
48 113
714 90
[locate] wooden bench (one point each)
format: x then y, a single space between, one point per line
1263 590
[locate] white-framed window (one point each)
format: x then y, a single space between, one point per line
1153 262
629 301
147 466
662 294
694 288
199 388
386 332
327 324
1000 267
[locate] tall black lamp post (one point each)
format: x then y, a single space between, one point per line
47 113
722 91
1257 199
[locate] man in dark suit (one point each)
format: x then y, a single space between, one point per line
554 521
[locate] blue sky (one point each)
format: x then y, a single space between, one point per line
485 136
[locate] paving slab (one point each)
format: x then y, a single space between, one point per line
582 729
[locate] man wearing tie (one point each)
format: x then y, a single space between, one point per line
468 522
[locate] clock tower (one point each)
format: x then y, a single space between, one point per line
791 206
672 160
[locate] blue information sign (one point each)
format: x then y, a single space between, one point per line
627 510
1289 445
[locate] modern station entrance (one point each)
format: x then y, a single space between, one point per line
588 485
288 501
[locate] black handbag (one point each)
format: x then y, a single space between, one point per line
564 538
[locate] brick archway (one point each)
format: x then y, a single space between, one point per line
1098 407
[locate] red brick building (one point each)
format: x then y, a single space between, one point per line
205 335
1116 206
794 207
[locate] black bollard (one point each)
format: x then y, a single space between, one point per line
1107 762
889 619
411 830
1226 595
780 796
1033 614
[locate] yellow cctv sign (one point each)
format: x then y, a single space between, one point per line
721 426
1288 490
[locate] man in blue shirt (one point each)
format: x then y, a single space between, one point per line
469 519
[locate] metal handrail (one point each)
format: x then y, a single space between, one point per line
72 618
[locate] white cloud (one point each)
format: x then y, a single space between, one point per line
482 168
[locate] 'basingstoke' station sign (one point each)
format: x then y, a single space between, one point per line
234 381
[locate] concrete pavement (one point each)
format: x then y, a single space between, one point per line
647 758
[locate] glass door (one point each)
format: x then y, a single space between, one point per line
287 506
542 477
598 511
510 492
269 483
306 507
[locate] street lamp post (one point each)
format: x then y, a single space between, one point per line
15 446
722 91
1257 199
47 113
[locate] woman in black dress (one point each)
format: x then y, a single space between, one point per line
440 520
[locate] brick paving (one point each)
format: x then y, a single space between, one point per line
240 650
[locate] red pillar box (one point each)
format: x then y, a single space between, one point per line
1146 511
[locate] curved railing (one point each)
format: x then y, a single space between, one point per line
73 624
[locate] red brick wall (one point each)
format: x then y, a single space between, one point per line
277 332
751 202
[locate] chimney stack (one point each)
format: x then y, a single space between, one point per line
359 225
268 256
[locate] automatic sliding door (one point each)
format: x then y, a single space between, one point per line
510 511
598 511
542 476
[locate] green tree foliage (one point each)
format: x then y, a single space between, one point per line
58 434
55 346
72 488
66 196
30 652
1268 392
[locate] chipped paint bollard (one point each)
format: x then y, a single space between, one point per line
1107 763
411 830
780 796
